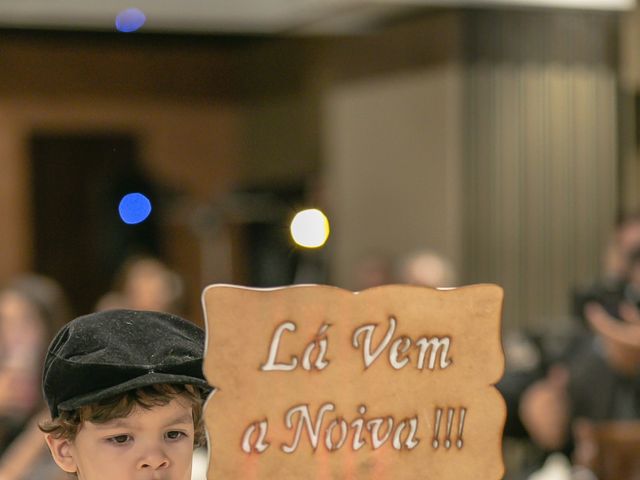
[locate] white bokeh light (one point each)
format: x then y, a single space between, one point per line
310 228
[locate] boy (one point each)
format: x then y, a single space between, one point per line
125 390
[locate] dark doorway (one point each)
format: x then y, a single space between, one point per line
265 255
78 181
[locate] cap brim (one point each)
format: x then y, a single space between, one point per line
134 383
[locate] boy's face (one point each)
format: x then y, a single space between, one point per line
154 444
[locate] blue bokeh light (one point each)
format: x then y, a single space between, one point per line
130 20
134 208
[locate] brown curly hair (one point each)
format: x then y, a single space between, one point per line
68 423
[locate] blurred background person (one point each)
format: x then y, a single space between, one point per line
613 284
597 380
548 379
427 268
32 308
145 283
599 384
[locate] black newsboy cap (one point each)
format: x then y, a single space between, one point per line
103 354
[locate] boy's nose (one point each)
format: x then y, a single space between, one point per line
154 460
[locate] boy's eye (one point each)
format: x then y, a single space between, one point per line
175 435
120 439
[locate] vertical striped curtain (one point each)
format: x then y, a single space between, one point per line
541 157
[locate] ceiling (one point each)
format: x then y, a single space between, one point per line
246 16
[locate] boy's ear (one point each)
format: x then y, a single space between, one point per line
62 453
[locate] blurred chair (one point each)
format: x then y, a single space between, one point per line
611 450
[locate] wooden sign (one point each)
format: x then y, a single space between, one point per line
315 382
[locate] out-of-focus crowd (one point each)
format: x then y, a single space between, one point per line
579 397
573 399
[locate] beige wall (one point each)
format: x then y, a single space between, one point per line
392 142
393 166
